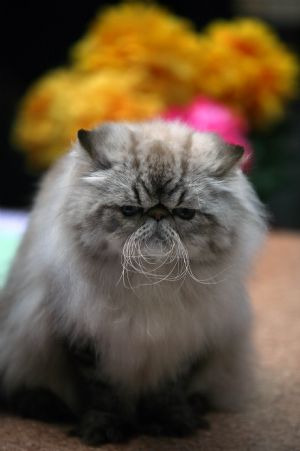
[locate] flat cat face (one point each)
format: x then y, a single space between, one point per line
156 192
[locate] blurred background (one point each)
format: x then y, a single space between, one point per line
37 36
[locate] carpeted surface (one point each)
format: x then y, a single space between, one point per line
272 421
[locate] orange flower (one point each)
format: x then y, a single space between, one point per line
63 102
147 37
246 67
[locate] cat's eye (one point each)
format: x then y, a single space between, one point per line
131 210
184 213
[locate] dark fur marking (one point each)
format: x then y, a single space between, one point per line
82 354
161 187
103 246
134 143
98 427
166 183
186 155
182 195
101 210
145 187
94 391
157 152
40 404
169 413
112 225
103 418
176 187
199 404
137 195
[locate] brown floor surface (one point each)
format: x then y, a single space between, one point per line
272 421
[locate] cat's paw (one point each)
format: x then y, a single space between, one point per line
174 420
170 413
97 428
200 407
177 424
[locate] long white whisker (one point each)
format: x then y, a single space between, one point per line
170 263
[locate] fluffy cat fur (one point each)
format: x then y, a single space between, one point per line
130 320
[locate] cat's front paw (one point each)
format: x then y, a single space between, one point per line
97 428
177 424
169 414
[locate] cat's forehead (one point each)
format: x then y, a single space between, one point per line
163 150
160 160
174 144
160 165
172 138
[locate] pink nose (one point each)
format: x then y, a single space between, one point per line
158 212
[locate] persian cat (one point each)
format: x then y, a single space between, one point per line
126 304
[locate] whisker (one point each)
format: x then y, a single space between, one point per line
170 263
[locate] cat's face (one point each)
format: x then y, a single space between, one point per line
156 192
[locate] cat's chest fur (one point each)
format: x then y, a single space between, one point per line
147 338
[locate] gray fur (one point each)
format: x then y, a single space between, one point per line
153 297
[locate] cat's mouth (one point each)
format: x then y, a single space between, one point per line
157 237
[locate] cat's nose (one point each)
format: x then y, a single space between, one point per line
158 212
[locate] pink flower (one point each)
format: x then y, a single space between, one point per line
207 115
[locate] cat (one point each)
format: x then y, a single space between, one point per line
126 304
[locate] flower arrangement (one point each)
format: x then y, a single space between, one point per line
117 71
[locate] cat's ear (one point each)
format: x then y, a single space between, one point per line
229 158
94 142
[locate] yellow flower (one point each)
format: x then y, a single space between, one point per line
64 101
138 35
245 66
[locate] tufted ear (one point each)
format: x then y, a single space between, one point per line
106 145
94 143
229 157
214 155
